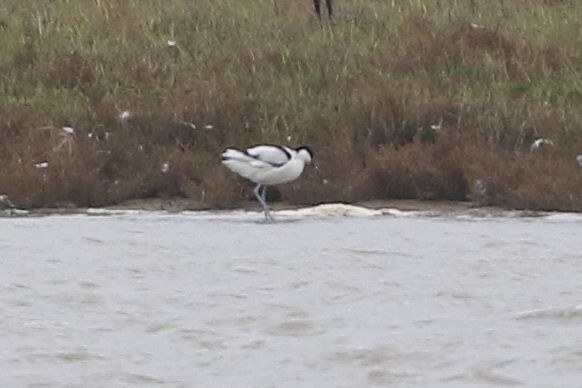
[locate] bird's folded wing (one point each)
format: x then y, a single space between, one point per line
238 159
260 164
273 155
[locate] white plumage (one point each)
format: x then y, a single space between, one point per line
540 142
267 165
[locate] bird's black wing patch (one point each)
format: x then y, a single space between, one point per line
274 155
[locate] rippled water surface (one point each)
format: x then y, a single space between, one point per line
313 300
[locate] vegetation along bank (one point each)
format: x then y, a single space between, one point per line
106 101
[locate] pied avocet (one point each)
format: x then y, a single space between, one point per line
267 165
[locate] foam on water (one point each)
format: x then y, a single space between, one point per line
332 210
348 210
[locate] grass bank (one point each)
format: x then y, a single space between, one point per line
398 99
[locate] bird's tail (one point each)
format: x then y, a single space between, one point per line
238 162
234 154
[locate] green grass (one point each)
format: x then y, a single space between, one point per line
362 92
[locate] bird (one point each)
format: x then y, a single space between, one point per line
539 143
267 165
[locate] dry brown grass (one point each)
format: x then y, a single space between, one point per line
363 93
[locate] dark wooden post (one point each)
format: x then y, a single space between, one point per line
317 5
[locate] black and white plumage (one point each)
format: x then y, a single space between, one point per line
267 165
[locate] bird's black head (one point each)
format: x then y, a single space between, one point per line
305 154
307 149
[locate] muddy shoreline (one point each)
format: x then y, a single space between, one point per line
176 205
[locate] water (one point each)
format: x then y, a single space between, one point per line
318 299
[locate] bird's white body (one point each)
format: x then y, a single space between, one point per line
267 165
540 142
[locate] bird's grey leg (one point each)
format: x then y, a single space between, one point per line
260 194
268 215
257 192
